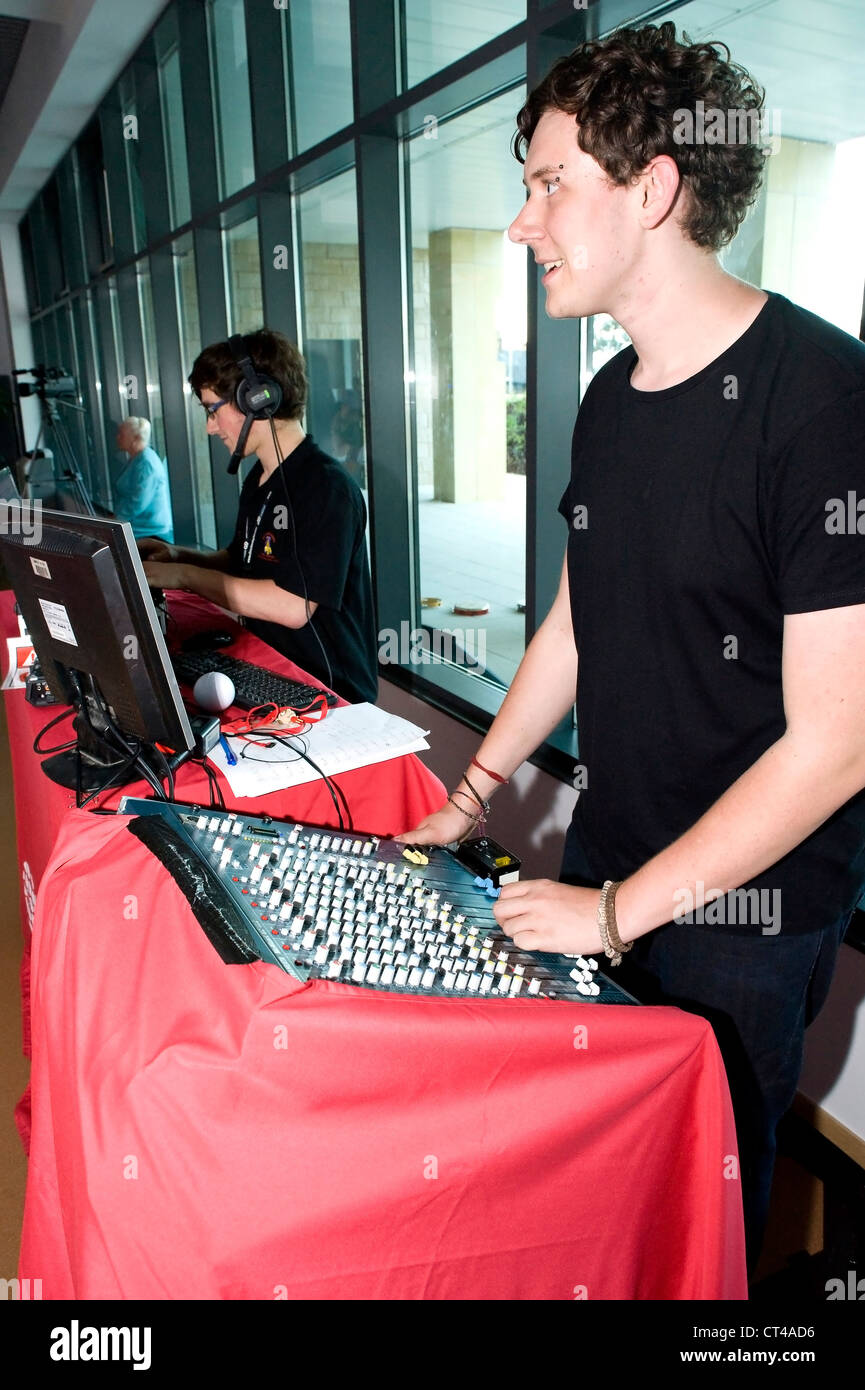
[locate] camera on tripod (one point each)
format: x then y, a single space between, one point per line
53 476
50 382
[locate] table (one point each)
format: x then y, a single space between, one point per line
203 1131
399 795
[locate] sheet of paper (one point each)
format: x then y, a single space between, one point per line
352 736
21 658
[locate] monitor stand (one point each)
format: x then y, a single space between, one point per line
62 768
94 760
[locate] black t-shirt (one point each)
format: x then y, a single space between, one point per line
707 519
327 548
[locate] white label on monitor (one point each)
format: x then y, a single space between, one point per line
57 622
40 567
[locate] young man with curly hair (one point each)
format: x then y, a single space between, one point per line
296 568
709 616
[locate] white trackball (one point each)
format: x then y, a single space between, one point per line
214 691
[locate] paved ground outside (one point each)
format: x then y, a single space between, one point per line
477 551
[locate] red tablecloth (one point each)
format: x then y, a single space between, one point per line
383 800
203 1131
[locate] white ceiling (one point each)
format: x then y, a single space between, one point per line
73 53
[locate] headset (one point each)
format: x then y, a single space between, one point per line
257 397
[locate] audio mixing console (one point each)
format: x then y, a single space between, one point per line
334 905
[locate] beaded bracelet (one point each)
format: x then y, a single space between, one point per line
484 805
611 941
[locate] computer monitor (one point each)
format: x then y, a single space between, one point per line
84 596
8 486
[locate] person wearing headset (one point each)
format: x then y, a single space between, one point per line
296 568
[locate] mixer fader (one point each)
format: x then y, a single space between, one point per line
328 904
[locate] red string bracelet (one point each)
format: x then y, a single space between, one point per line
502 781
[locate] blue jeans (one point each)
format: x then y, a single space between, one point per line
759 993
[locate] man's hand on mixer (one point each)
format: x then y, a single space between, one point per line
443 827
540 915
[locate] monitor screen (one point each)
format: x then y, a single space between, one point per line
8 487
83 594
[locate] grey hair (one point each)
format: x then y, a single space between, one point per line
140 428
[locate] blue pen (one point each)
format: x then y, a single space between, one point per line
229 755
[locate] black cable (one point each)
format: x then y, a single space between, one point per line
114 777
217 800
333 788
61 747
168 774
111 728
284 740
309 615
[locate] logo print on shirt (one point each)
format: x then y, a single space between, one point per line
268 542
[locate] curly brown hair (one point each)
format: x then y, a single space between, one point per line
271 353
630 94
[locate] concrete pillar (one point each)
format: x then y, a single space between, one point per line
469 417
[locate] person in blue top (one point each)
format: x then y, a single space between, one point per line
141 492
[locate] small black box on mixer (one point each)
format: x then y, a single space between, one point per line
488 859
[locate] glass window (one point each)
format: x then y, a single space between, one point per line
813 193
153 397
129 395
103 447
332 341
173 120
243 276
131 137
320 49
84 429
438 32
90 171
183 252
233 113
467 386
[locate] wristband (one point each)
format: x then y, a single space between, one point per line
502 781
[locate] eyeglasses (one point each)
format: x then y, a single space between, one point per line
211 408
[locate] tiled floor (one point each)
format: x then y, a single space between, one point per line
477 550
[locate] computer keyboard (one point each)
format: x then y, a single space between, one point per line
253 685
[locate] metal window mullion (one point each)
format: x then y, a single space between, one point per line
391 490
112 401
278 252
171 375
99 465
264 30
210 283
201 146
119 192
152 155
134 359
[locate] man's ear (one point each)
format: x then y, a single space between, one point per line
660 183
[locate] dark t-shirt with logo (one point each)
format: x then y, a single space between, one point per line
326 548
698 517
